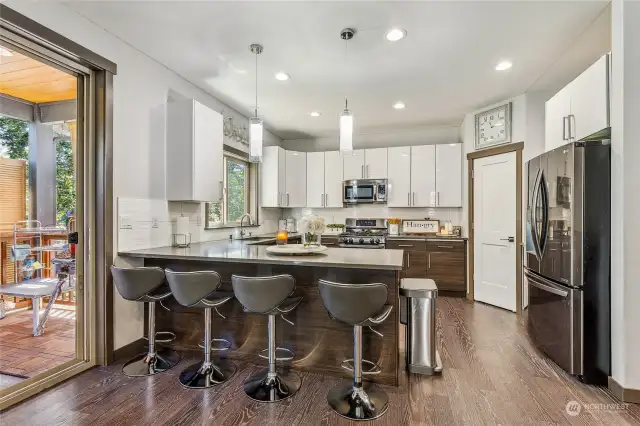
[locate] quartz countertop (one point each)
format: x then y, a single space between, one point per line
426 237
254 251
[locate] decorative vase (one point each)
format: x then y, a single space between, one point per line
310 239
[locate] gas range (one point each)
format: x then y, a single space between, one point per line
363 233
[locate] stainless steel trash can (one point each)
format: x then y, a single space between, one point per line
422 355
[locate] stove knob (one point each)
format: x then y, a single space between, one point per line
350 241
361 240
376 241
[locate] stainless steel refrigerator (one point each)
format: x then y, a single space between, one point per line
567 265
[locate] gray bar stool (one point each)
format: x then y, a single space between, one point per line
269 296
359 305
200 290
146 285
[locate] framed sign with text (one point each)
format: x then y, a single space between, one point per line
420 226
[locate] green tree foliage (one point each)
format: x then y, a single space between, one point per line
65 181
14 138
14 143
236 175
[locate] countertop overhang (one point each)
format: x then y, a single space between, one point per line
238 251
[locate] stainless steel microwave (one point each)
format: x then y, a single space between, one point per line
364 191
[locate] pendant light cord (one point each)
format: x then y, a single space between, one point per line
346 67
256 109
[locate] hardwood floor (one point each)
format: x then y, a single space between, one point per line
23 355
492 375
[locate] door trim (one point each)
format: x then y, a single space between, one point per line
95 157
516 147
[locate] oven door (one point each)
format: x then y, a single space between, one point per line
359 192
554 321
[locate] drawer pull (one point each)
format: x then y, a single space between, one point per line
329 244
405 245
450 247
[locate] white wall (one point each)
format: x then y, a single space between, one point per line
625 185
396 137
141 89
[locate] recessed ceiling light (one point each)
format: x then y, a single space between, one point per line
5 52
396 34
282 76
399 105
314 114
504 65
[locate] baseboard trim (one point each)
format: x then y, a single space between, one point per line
129 350
622 393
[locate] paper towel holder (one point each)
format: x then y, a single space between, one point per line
181 240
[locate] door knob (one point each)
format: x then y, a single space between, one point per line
510 239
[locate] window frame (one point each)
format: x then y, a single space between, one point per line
249 197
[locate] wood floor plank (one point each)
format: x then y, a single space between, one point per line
492 375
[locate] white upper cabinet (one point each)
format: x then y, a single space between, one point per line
316 179
580 109
194 161
333 179
375 163
557 112
353 164
449 175
272 177
296 179
423 176
399 177
590 101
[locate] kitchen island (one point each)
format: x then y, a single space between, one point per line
320 343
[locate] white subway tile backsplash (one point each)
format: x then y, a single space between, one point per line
338 215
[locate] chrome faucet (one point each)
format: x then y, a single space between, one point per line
242 231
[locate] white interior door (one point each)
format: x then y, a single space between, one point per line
494 223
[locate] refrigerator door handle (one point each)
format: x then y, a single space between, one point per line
545 218
534 218
545 285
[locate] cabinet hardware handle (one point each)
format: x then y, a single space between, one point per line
405 245
367 170
322 200
329 244
564 128
408 198
414 198
326 200
408 260
571 135
429 262
287 198
362 170
511 239
438 198
449 247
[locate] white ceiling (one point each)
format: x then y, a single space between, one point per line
443 69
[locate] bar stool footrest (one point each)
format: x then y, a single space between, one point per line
374 368
288 357
225 345
159 339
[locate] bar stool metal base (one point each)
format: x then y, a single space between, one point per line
262 388
149 364
202 375
358 403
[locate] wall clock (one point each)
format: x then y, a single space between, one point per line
493 127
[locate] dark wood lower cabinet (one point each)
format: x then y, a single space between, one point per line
443 261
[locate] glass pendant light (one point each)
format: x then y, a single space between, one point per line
346 118
255 123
